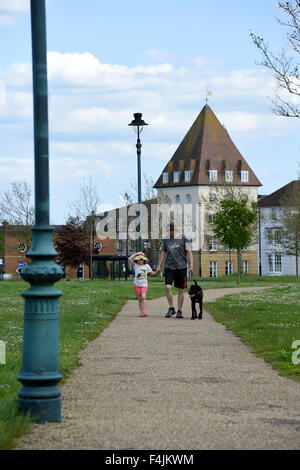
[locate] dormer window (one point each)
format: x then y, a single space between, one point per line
228 176
213 175
188 176
244 176
165 178
177 176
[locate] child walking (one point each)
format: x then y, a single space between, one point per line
141 270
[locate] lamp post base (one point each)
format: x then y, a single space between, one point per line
42 410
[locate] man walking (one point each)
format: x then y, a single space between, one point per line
175 252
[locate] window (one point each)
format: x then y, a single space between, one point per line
132 245
211 218
245 176
188 176
274 263
22 247
188 198
212 197
213 175
120 245
213 245
177 198
245 267
165 178
177 176
278 263
274 236
189 219
228 176
274 213
213 269
228 267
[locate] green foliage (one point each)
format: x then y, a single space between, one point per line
233 223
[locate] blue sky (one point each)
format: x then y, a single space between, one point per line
107 60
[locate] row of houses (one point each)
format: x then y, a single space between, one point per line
205 166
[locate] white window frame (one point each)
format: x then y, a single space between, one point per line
165 178
188 176
245 266
245 176
228 267
213 175
275 263
228 176
176 176
189 219
213 244
213 269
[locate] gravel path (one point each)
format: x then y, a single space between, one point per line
158 383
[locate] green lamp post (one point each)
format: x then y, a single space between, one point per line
39 372
138 125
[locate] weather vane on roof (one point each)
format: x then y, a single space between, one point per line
208 95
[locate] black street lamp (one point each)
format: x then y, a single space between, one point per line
138 125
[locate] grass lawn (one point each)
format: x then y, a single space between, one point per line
86 308
268 320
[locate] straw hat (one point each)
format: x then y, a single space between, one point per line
137 258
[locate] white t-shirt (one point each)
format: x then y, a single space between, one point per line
140 274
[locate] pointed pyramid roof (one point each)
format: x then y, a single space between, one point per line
207 146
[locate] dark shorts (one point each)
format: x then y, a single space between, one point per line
176 275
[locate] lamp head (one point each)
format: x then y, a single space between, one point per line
138 122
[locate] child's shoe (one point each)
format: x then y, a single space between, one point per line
145 314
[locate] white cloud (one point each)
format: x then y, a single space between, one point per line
258 124
9 9
91 104
84 69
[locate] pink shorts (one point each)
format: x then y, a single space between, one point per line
139 290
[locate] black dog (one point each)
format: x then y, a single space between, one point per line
196 296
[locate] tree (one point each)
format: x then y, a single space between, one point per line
285 67
16 204
85 209
16 208
72 242
88 202
147 187
233 225
286 230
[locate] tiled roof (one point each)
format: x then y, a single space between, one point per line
274 198
207 146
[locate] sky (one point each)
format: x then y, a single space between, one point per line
108 60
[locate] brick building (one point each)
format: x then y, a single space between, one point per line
17 241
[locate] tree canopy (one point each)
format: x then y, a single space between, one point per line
233 225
